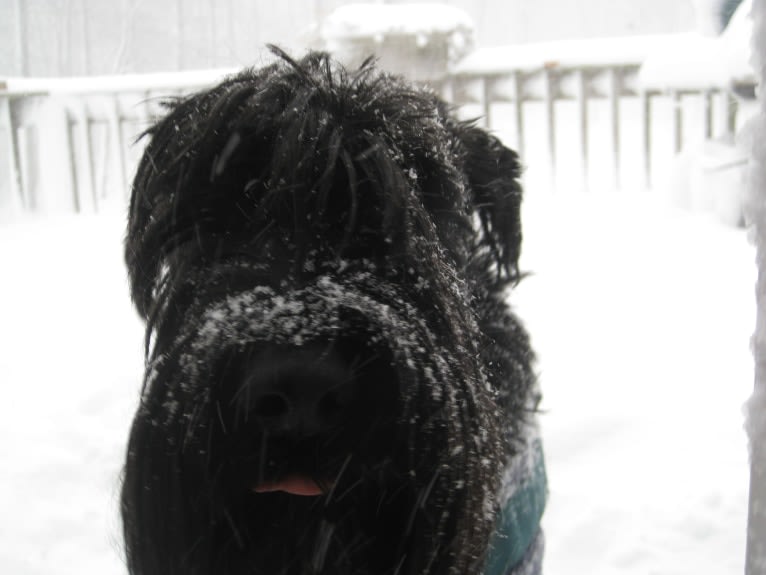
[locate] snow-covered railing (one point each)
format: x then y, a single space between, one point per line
68 144
585 73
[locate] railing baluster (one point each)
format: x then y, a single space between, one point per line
550 121
614 117
678 121
731 114
115 128
546 85
646 136
69 124
88 199
486 100
707 102
582 105
518 107
17 182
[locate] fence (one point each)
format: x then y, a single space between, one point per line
69 144
612 86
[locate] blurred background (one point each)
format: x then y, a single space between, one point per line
656 90
84 37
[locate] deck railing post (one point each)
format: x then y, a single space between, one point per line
16 183
755 554
518 112
550 120
614 118
678 121
646 136
582 117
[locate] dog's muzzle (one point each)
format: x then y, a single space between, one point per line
311 407
302 384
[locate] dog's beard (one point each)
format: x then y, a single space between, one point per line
359 528
348 499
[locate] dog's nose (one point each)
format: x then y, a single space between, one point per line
302 394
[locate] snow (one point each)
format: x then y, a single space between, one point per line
115 83
564 53
641 316
700 61
756 538
688 60
377 20
70 370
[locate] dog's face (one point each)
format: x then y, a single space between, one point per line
320 258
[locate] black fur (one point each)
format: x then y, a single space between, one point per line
322 257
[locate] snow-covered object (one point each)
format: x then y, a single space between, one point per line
191 79
709 177
421 41
74 136
379 20
564 53
756 421
698 61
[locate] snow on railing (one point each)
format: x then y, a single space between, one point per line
69 143
589 73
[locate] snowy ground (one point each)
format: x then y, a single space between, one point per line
641 316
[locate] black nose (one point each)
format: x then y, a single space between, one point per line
299 392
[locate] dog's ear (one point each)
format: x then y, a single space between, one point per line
493 172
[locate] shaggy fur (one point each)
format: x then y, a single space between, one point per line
322 258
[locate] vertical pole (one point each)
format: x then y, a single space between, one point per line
118 138
582 105
755 557
550 121
88 197
18 197
646 136
731 114
72 156
678 122
486 100
518 108
615 86
708 112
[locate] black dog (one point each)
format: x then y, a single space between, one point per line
334 382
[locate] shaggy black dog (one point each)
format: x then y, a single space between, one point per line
334 382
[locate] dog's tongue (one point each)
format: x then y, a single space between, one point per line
294 484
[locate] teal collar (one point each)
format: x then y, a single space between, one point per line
519 522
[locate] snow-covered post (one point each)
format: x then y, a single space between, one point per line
419 41
756 532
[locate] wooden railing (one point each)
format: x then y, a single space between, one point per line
75 139
72 144
584 86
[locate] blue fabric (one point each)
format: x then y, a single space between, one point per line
516 546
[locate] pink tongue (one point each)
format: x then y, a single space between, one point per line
294 484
